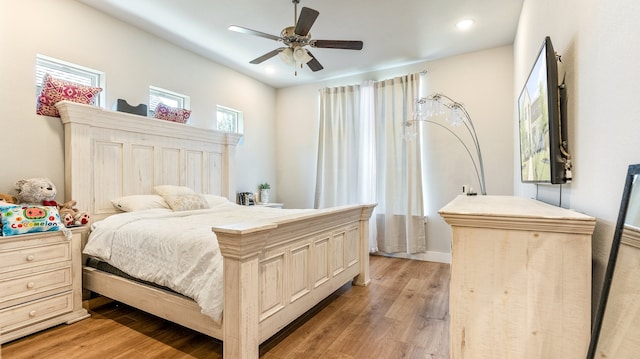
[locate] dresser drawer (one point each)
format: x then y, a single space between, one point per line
33 254
25 287
32 312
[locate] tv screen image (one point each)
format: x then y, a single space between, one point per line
543 154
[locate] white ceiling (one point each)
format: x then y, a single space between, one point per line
394 32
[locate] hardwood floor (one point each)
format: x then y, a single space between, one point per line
402 313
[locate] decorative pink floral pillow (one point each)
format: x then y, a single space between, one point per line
55 90
172 114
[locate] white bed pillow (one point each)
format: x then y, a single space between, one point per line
181 198
214 200
139 202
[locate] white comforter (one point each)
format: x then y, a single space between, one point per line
177 250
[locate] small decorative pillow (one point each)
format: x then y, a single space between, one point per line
181 198
139 202
25 218
55 90
172 114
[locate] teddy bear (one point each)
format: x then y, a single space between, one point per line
42 191
71 216
36 191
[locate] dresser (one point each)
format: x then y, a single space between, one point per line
40 282
520 279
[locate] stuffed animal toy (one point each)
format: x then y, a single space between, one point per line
71 216
42 191
36 191
67 213
7 198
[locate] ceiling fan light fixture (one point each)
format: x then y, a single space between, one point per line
301 55
286 56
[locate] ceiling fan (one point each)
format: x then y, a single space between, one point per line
295 38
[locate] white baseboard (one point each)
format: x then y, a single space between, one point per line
440 257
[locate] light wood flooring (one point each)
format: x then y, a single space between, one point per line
402 313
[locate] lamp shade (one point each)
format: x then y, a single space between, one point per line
301 55
286 56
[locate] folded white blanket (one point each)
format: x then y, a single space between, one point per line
177 250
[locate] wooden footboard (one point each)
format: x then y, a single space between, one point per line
275 272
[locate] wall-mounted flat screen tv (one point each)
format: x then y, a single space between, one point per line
544 157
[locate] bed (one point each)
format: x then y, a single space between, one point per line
273 270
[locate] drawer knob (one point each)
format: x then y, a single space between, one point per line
31 285
32 313
31 257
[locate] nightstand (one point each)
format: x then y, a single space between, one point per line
271 205
40 282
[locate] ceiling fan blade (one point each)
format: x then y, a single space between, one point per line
245 30
266 56
306 20
313 64
337 44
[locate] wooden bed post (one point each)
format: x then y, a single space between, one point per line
241 339
363 278
240 248
229 167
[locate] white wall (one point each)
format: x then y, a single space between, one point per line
600 48
132 60
482 81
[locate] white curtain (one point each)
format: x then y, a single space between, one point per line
338 152
400 210
368 163
363 158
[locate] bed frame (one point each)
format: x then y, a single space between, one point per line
273 271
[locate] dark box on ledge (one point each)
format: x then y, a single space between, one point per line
122 106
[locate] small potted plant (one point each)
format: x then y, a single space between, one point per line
264 192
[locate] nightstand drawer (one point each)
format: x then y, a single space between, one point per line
38 254
21 288
22 315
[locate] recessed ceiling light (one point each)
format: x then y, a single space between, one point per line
465 24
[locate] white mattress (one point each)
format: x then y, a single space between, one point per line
177 250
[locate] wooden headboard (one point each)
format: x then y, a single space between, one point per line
110 154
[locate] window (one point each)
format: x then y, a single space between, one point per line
169 98
229 120
69 72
